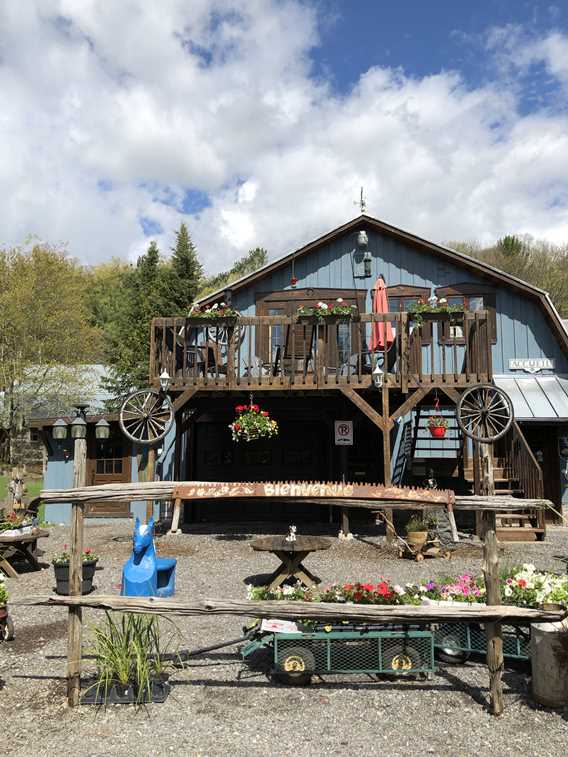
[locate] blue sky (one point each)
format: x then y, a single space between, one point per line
422 36
257 121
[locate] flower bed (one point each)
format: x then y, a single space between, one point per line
3 591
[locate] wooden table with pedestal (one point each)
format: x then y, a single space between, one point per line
291 554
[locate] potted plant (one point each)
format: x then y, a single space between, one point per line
6 625
130 665
252 423
60 562
437 426
417 530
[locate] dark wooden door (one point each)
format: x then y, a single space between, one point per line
108 462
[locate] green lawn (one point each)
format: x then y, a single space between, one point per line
33 488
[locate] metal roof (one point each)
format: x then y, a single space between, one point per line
536 397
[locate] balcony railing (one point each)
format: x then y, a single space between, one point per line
302 353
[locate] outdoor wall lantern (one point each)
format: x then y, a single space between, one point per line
377 377
165 380
59 430
102 429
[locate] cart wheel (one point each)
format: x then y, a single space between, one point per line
402 659
8 630
448 650
295 666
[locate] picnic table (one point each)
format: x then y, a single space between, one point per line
291 554
20 547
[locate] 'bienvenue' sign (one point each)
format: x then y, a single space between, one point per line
531 364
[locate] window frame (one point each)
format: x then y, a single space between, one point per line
403 291
468 290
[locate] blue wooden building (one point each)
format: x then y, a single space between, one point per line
501 331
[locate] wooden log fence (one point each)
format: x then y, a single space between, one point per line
347 495
404 614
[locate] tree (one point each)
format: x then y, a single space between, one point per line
183 275
251 262
45 324
127 326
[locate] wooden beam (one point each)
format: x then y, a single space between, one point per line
75 620
363 406
184 398
451 393
410 402
270 609
493 628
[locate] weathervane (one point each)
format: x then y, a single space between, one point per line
361 202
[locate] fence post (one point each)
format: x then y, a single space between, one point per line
493 631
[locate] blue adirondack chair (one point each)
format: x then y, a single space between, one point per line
145 575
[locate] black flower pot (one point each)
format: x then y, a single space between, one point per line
61 571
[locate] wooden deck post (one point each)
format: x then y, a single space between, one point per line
494 631
389 520
75 620
176 516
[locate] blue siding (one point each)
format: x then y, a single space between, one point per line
522 329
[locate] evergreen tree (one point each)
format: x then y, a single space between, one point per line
127 335
184 274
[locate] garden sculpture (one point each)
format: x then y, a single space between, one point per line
145 575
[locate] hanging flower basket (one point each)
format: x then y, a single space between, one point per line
252 423
438 426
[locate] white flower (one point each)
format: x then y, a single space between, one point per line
339 299
398 589
215 306
323 306
508 591
442 301
287 590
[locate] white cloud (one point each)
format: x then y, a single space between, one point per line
110 109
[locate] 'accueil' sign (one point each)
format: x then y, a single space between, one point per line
531 364
344 432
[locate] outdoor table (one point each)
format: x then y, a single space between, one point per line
291 554
24 546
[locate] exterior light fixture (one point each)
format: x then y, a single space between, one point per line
102 429
165 380
59 430
377 377
362 239
79 428
367 260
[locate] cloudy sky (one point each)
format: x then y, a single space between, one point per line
257 121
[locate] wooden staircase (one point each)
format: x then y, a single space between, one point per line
516 474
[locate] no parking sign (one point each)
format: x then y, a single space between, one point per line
344 433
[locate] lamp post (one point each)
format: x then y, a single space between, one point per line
79 436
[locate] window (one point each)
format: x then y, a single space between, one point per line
473 297
109 458
274 340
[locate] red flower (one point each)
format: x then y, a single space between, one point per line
236 426
293 281
367 587
347 587
358 596
521 582
88 551
255 408
382 588
265 413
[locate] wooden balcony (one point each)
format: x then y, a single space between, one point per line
294 353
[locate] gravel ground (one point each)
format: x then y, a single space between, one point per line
218 706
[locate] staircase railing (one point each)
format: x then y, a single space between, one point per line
521 463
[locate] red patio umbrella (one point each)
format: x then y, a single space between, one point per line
381 331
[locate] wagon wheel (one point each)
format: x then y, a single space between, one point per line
485 413
146 416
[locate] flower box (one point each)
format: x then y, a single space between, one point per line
125 693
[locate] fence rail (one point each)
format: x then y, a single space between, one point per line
283 352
